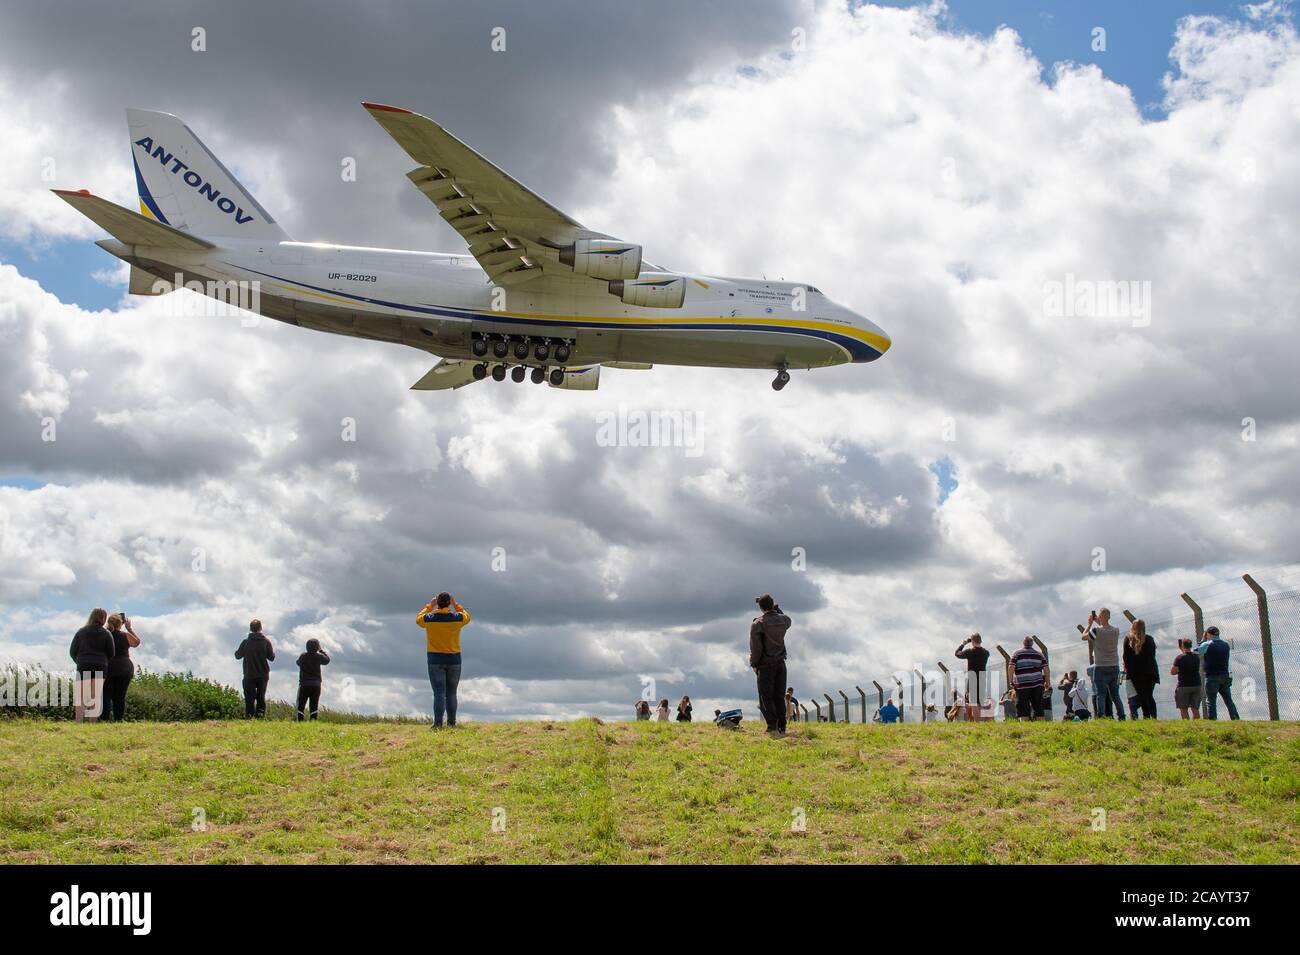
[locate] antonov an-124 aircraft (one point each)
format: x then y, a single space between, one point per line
537 294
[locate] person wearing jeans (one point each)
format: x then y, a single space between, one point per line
1104 671
442 620
1218 676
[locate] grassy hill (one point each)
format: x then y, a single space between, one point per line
647 792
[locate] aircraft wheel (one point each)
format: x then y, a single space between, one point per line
557 377
539 375
479 347
562 352
498 372
542 351
500 348
480 371
518 372
521 350
782 379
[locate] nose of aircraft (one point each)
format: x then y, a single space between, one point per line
874 335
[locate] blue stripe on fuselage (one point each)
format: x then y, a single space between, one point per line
858 350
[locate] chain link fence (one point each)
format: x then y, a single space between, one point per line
1257 629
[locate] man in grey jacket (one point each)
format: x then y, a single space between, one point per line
767 657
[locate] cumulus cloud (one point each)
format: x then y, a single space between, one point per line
930 179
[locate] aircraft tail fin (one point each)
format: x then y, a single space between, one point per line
183 185
130 227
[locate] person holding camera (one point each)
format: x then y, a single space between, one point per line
684 710
977 660
1216 653
1105 665
442 620
309 678
257 653
767 657
1066 686
121 670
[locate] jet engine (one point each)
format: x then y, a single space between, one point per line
651 291
603 258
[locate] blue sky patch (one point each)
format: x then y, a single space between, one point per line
946 471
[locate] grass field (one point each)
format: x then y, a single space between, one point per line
647 792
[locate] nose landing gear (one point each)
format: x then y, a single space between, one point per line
782 379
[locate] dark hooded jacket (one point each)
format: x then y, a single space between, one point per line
309 664
257 653
767 638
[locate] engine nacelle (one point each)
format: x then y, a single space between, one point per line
603 258
580 379
651 291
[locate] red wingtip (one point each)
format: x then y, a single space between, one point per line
72 192
387 109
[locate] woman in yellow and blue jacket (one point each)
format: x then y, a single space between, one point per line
441 620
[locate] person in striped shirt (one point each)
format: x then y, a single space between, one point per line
1028 666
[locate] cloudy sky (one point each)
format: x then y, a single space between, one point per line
945 174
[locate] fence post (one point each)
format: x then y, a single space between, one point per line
805 712
1006 659
1042 648
862 693
901 706
1198 622
922 677
830 704
1128 615
1266 644
819 709
1197 616
947 686
846 704
880 694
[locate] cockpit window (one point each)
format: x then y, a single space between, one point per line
813 289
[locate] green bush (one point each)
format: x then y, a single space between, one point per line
178 697
165 698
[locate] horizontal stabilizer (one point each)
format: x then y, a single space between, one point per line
130 227
143 283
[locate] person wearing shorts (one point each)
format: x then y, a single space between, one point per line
1189 693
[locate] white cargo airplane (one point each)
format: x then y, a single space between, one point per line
532 296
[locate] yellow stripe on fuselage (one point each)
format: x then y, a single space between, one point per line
878 342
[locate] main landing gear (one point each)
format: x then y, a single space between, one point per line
518 373
782 379
521 347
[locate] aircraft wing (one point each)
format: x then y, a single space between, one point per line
448 373
515 234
